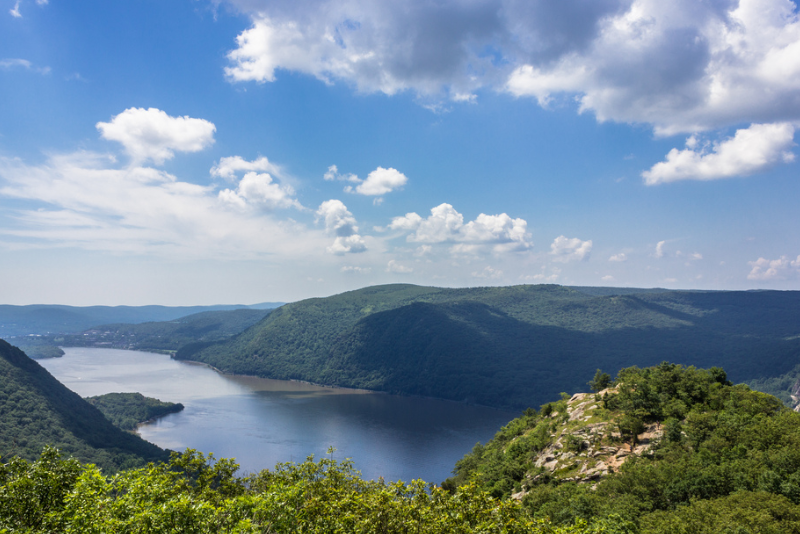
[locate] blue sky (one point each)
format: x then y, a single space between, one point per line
240 151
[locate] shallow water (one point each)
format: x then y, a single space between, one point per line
261 422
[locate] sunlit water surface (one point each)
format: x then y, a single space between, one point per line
261 422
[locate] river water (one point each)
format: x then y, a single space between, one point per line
262 422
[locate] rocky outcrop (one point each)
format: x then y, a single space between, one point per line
586 443
795 394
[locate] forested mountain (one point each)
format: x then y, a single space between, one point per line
667 448
37 410
46 318
164 335
509 346
128 410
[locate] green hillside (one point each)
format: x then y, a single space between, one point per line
44 319
36 410
668 448
162 335
129 410
509 346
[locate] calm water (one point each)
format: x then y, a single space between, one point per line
261 422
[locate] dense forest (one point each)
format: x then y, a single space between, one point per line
163 336
128 410
667 448
43 319
664 449
508 346
36 410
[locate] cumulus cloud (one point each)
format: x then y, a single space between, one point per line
659 253
764 269
379 182
84 200
681 66
151 134
446 225
333 174
394 267
378 46
565 249
341 223
618 257
749 151
229 166
259 190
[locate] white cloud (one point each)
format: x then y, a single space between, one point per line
83 200
259 190
764 269
565 249
680 66
341 223
749 151
11 63
618 257
394 267
151 134
356 269
379 46
229 166
488 272
333 174
379 182
350 244
659 253
446 225
607 278
15 10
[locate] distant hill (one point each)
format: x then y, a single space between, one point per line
37 410
47 318
166 336
509 346
128 410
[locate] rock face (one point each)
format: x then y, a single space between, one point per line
795 394
586 443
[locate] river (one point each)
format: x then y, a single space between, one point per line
262 422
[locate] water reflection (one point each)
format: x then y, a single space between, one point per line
261 422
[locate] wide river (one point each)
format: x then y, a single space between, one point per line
262 422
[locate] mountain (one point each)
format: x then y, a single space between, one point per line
41 319
37 410
509 347
667 448
166 336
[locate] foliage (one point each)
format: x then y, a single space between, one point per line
782 386
510 347
37 410
728 459
53 319
38 348
128 410
193 493
166 336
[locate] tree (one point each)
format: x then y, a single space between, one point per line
600 381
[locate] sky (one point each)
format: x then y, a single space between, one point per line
197 152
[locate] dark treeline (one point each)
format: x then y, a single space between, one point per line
509 347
